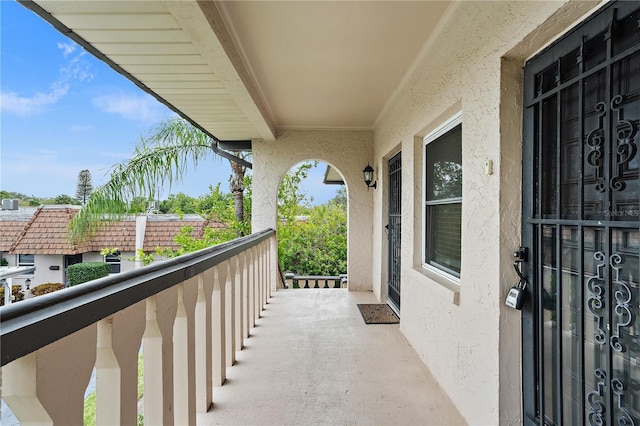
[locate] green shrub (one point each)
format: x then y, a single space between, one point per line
87 271
16 291
3 261
46 288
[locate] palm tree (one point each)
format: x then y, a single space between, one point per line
160 159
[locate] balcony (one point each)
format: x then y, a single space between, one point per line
218 348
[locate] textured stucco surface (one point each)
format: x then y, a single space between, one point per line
467 338
348 152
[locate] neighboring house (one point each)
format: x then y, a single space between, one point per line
490 126
12 223
43 241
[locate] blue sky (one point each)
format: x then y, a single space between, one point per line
62 111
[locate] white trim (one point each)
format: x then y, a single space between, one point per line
446 126
443 128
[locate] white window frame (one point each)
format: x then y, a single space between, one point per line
445 127
21 263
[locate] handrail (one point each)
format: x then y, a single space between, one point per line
32 324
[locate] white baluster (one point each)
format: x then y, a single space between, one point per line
204 396
239 266
108 386
19 391
218 319
152 356
180 362
230 310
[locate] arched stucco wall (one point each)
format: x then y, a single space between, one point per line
349 152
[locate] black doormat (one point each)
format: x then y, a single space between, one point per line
378 313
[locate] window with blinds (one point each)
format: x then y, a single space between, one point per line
443 197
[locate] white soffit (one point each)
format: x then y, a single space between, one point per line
171 48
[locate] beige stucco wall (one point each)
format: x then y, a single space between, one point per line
43 274
348 152
467 337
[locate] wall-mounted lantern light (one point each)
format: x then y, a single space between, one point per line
368 177
27 283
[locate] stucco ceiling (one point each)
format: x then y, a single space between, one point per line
244 69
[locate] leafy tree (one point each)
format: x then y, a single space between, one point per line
179 203
236 185
291 200
84 187
317 245
62 199
162 158
340 199
137 205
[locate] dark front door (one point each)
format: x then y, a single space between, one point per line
70 259
581 326
394 229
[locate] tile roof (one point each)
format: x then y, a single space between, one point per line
120 235
160 234
10 230
46 232
161 229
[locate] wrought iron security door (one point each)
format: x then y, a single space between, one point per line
581 191
394 228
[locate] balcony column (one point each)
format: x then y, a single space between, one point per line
257 282
246 268
263 272
31 385
127 328
152 358
251 322
108 385
184 353
180 362
275 270
219 324
204 395
239 265
269 269
230 309
19 391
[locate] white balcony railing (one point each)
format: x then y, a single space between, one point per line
189 314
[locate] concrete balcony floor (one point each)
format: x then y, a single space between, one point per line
311 359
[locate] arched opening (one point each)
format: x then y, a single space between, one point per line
313 226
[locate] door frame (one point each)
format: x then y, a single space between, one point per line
531 340
391 175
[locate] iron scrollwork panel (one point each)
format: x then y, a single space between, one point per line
596 302
615 296
625 148
622 295
595 141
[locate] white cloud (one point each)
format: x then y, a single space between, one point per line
74 69
131 107
27 105
67 48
